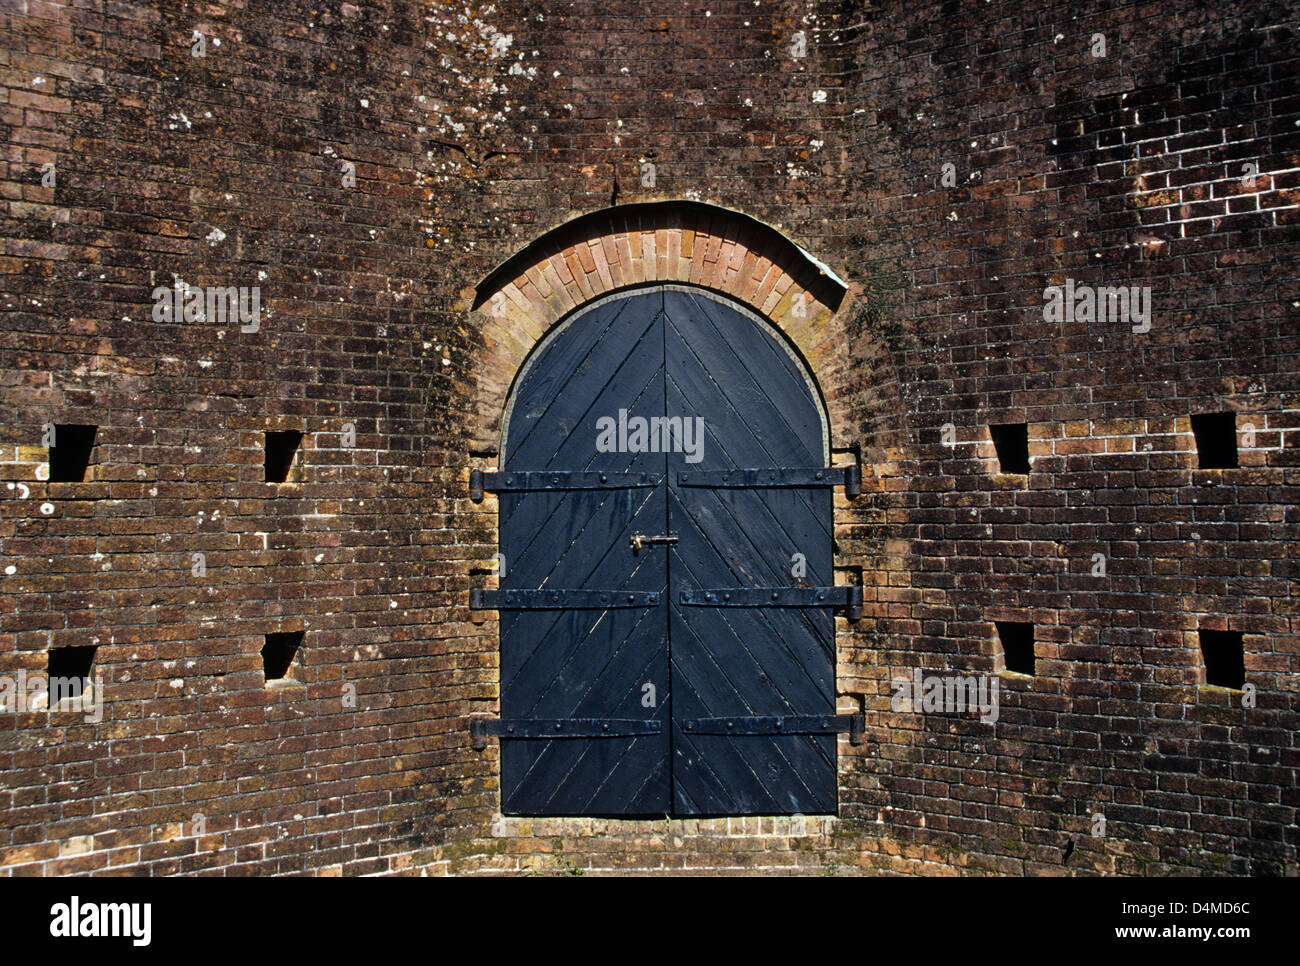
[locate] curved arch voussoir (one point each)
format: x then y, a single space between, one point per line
630 245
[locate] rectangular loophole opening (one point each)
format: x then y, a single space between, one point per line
1011 440
1216 440
281 448
70 448
278 654
69 670
1224 656
1017 639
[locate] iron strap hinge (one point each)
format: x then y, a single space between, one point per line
481 481
482 598
837 596
849 476
481 729
550 729
799 724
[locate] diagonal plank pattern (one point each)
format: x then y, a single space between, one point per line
746 661
666 352
585 663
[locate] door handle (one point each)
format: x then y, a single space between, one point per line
639 540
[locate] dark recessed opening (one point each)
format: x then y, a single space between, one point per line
1225 658
70 452
278 653
1017 639
281 447
1011 440
69 671
1216 440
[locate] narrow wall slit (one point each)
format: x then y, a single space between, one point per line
1216 440
1017 638
278 654
1223 654
1011 441
69 670
70 449
281 449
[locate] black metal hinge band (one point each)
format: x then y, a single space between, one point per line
804 724
777 476
550 729
837 596
482 598
485 481
553 728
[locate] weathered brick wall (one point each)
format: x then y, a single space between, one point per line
472 136
1122 169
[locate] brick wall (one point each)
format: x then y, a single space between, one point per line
366 166
1123 169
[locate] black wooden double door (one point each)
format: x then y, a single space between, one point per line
627 686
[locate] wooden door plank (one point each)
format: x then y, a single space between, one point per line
763 359
548 421
736 661
585 663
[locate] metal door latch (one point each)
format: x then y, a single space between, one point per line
639 540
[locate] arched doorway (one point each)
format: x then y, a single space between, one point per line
667 639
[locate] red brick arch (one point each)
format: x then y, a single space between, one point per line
633 245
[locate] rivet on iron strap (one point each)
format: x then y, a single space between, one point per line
550 729
837 596
804 724
485 481
776 476
481 598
